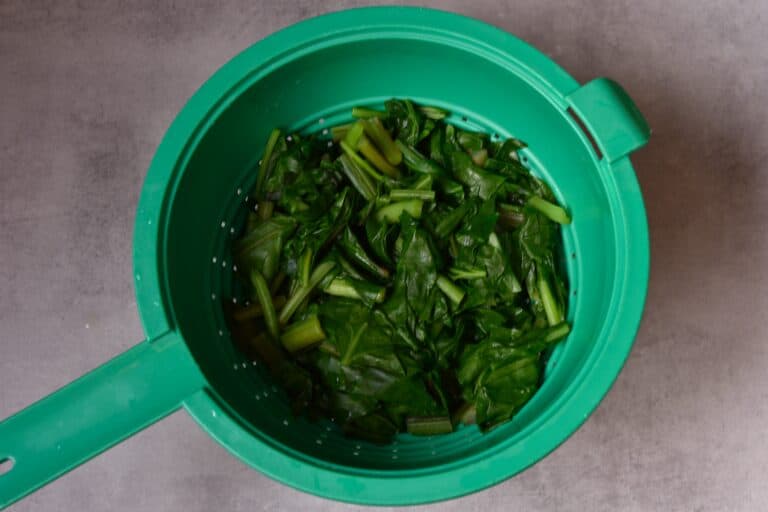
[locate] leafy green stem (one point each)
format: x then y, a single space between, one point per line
303 334
552 211
303 292
429 426
452 291
391 212
265 300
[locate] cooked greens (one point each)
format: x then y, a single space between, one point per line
404 276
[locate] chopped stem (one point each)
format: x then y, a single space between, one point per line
303 334
265 299
466 273
380 136
359 179
303 291
557 332
265 160
398 194
353 135
452 291
391 212
340 131
551 309
370 152
364 112
551 211
423 183
360 161
341 287
435 113
429 425
305 263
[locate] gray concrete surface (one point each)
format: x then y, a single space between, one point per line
87 90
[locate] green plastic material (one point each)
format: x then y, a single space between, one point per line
307 77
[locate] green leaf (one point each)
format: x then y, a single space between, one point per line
406 119
260 248
481 183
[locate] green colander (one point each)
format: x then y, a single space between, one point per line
306 78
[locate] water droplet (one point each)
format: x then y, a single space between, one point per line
234 300
355 453
213 296
258 397
213 413
244 365
223 263
325 131
321 120
234 366
221 333
214 259
87 326
330 143
319 441
138 277
394 456
239 191
285 422
223 224
231 231
234 268
289 138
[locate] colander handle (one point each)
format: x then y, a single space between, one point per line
101 408
611 118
